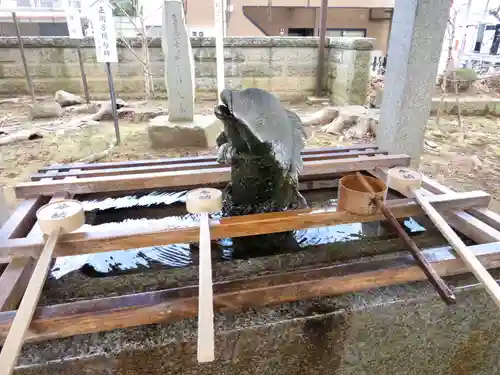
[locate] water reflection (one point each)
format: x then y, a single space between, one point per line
108 214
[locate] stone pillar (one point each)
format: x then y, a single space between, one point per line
181 128
418 28
349 71
179 62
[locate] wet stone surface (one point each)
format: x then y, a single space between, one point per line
159 267
404 330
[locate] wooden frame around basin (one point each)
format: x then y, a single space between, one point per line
21 240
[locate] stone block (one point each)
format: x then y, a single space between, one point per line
127 70
434 105
358 85
156 55
257 54
201 132
336 56
210 84
280 83
468 107
365 44
295 54
285 66
230 70
179 62
260 70
157 69
332 70
302 69
208 54
205 69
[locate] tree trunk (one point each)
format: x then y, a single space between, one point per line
148 79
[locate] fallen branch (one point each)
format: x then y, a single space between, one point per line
23 135
459 116
97 156
321 117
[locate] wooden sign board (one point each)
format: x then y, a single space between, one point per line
104 31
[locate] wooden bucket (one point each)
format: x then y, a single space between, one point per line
354 198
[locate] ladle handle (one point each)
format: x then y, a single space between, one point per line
205 295
462 249
443 290
26 309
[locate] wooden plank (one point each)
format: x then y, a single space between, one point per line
22 320
468 257
22 219
195 178
455 201
164 306
471 227
486 216
483 214
193 159
459 220
16 277
130 236
13 282
114 171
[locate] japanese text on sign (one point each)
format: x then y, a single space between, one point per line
74 24
104 31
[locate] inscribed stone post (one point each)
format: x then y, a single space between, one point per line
179 63
415 45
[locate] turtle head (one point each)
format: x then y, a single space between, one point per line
224 111
235 127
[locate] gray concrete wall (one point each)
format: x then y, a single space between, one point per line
284 66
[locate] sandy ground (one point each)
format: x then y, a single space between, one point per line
464 159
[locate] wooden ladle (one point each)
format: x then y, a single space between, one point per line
54 219
202 201
443 290
405 179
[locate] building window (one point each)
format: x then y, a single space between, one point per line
348 33
75 4
23 3
300 32
47 4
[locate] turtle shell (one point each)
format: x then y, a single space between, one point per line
268 121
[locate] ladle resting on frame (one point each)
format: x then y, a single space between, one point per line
54 219
409 181
433 277
203 201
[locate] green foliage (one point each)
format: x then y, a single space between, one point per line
465 74
123 8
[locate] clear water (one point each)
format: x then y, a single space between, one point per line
160 207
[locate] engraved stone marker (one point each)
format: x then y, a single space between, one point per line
179 63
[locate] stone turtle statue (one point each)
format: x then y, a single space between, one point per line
262 142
